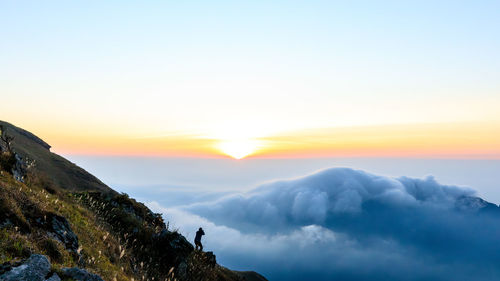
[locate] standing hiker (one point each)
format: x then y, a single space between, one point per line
197 239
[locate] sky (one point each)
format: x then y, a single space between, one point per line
160 98
254 78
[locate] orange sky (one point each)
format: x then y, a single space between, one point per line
447 140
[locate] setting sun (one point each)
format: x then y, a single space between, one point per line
238 149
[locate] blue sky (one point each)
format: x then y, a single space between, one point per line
299 64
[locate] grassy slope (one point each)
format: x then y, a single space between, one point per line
61 171
117 235
20 240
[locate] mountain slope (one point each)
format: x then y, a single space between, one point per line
65 213
57 169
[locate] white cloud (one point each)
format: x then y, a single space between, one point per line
349 225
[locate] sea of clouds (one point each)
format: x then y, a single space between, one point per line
345 224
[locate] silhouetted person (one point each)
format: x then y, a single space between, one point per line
197 239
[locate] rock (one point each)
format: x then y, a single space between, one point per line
5 267
182 271
175 240
34 269
174 244
56 226
63 232
54 277
210 259
37 267
6 223
19 169
80 274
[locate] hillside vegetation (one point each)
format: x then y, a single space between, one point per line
59 210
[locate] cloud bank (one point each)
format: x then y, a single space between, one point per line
344 224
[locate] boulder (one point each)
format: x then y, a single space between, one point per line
173 244
37 268
19 169
7 266
54 277
62 230
33 269
56 226
209 259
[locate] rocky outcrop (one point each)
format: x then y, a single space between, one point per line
19 169
12 163
209 259
61 229
54 277
38 268
57 227
173 242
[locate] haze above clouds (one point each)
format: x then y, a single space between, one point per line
165 178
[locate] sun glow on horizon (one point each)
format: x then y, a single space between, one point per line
442 140
239 148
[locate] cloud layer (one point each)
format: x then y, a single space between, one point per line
344 224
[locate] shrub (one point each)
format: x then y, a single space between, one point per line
51 249
17 246
7 161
